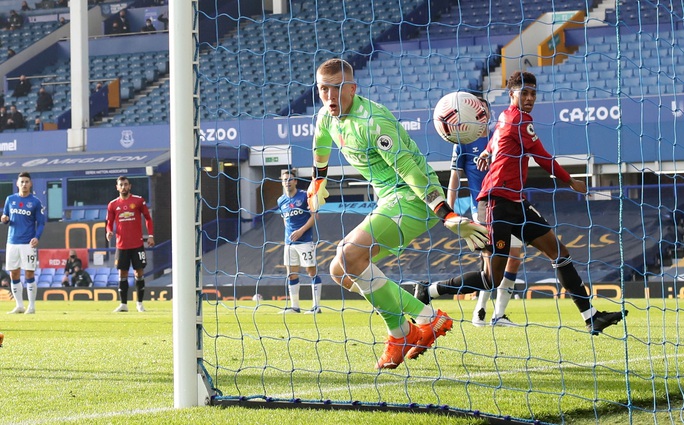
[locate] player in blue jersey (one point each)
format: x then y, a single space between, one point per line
300 249
23 212
464 162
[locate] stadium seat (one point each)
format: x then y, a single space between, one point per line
77 214
48 271
125 93
92 214
100 280
45 280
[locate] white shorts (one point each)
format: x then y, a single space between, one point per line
22 256
300 254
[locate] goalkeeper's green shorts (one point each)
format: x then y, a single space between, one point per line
397 221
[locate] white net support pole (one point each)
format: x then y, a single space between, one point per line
184 220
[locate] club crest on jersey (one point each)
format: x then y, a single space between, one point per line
29 205
384 142
131 206
500 244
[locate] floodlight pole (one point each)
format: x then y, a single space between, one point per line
185 217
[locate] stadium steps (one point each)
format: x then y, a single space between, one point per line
132 101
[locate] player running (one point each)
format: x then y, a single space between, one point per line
410 202
127 211
23 212
502 204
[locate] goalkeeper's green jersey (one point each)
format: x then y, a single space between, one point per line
378 147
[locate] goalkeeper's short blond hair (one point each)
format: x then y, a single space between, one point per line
335 66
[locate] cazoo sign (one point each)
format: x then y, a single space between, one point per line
590 113
218 134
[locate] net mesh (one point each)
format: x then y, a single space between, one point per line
609 104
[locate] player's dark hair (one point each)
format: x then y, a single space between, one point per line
122 178
519 79
24 174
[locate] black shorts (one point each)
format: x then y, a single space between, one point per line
504 218
124 258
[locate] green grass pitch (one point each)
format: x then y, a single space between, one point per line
79 363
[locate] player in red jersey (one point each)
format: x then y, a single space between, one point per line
127 212
502 204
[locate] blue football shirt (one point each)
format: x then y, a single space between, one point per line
295 212
463 158
26 218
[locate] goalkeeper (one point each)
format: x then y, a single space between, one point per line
410 202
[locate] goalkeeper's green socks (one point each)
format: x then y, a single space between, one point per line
390 300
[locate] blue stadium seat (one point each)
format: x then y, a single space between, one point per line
48 271
92 214
45 281
125 93
113 280
77 214
100 280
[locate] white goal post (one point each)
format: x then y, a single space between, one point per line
183 45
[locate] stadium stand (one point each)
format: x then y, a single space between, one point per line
254 89
639 13
28 34
648 67
470 19
407 90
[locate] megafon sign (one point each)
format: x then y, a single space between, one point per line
104 159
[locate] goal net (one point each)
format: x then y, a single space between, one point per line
609 108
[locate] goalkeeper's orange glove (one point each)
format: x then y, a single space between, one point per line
317 193
475 235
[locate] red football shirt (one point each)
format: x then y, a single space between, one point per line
128 215
510 147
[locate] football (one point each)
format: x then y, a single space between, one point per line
460 117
